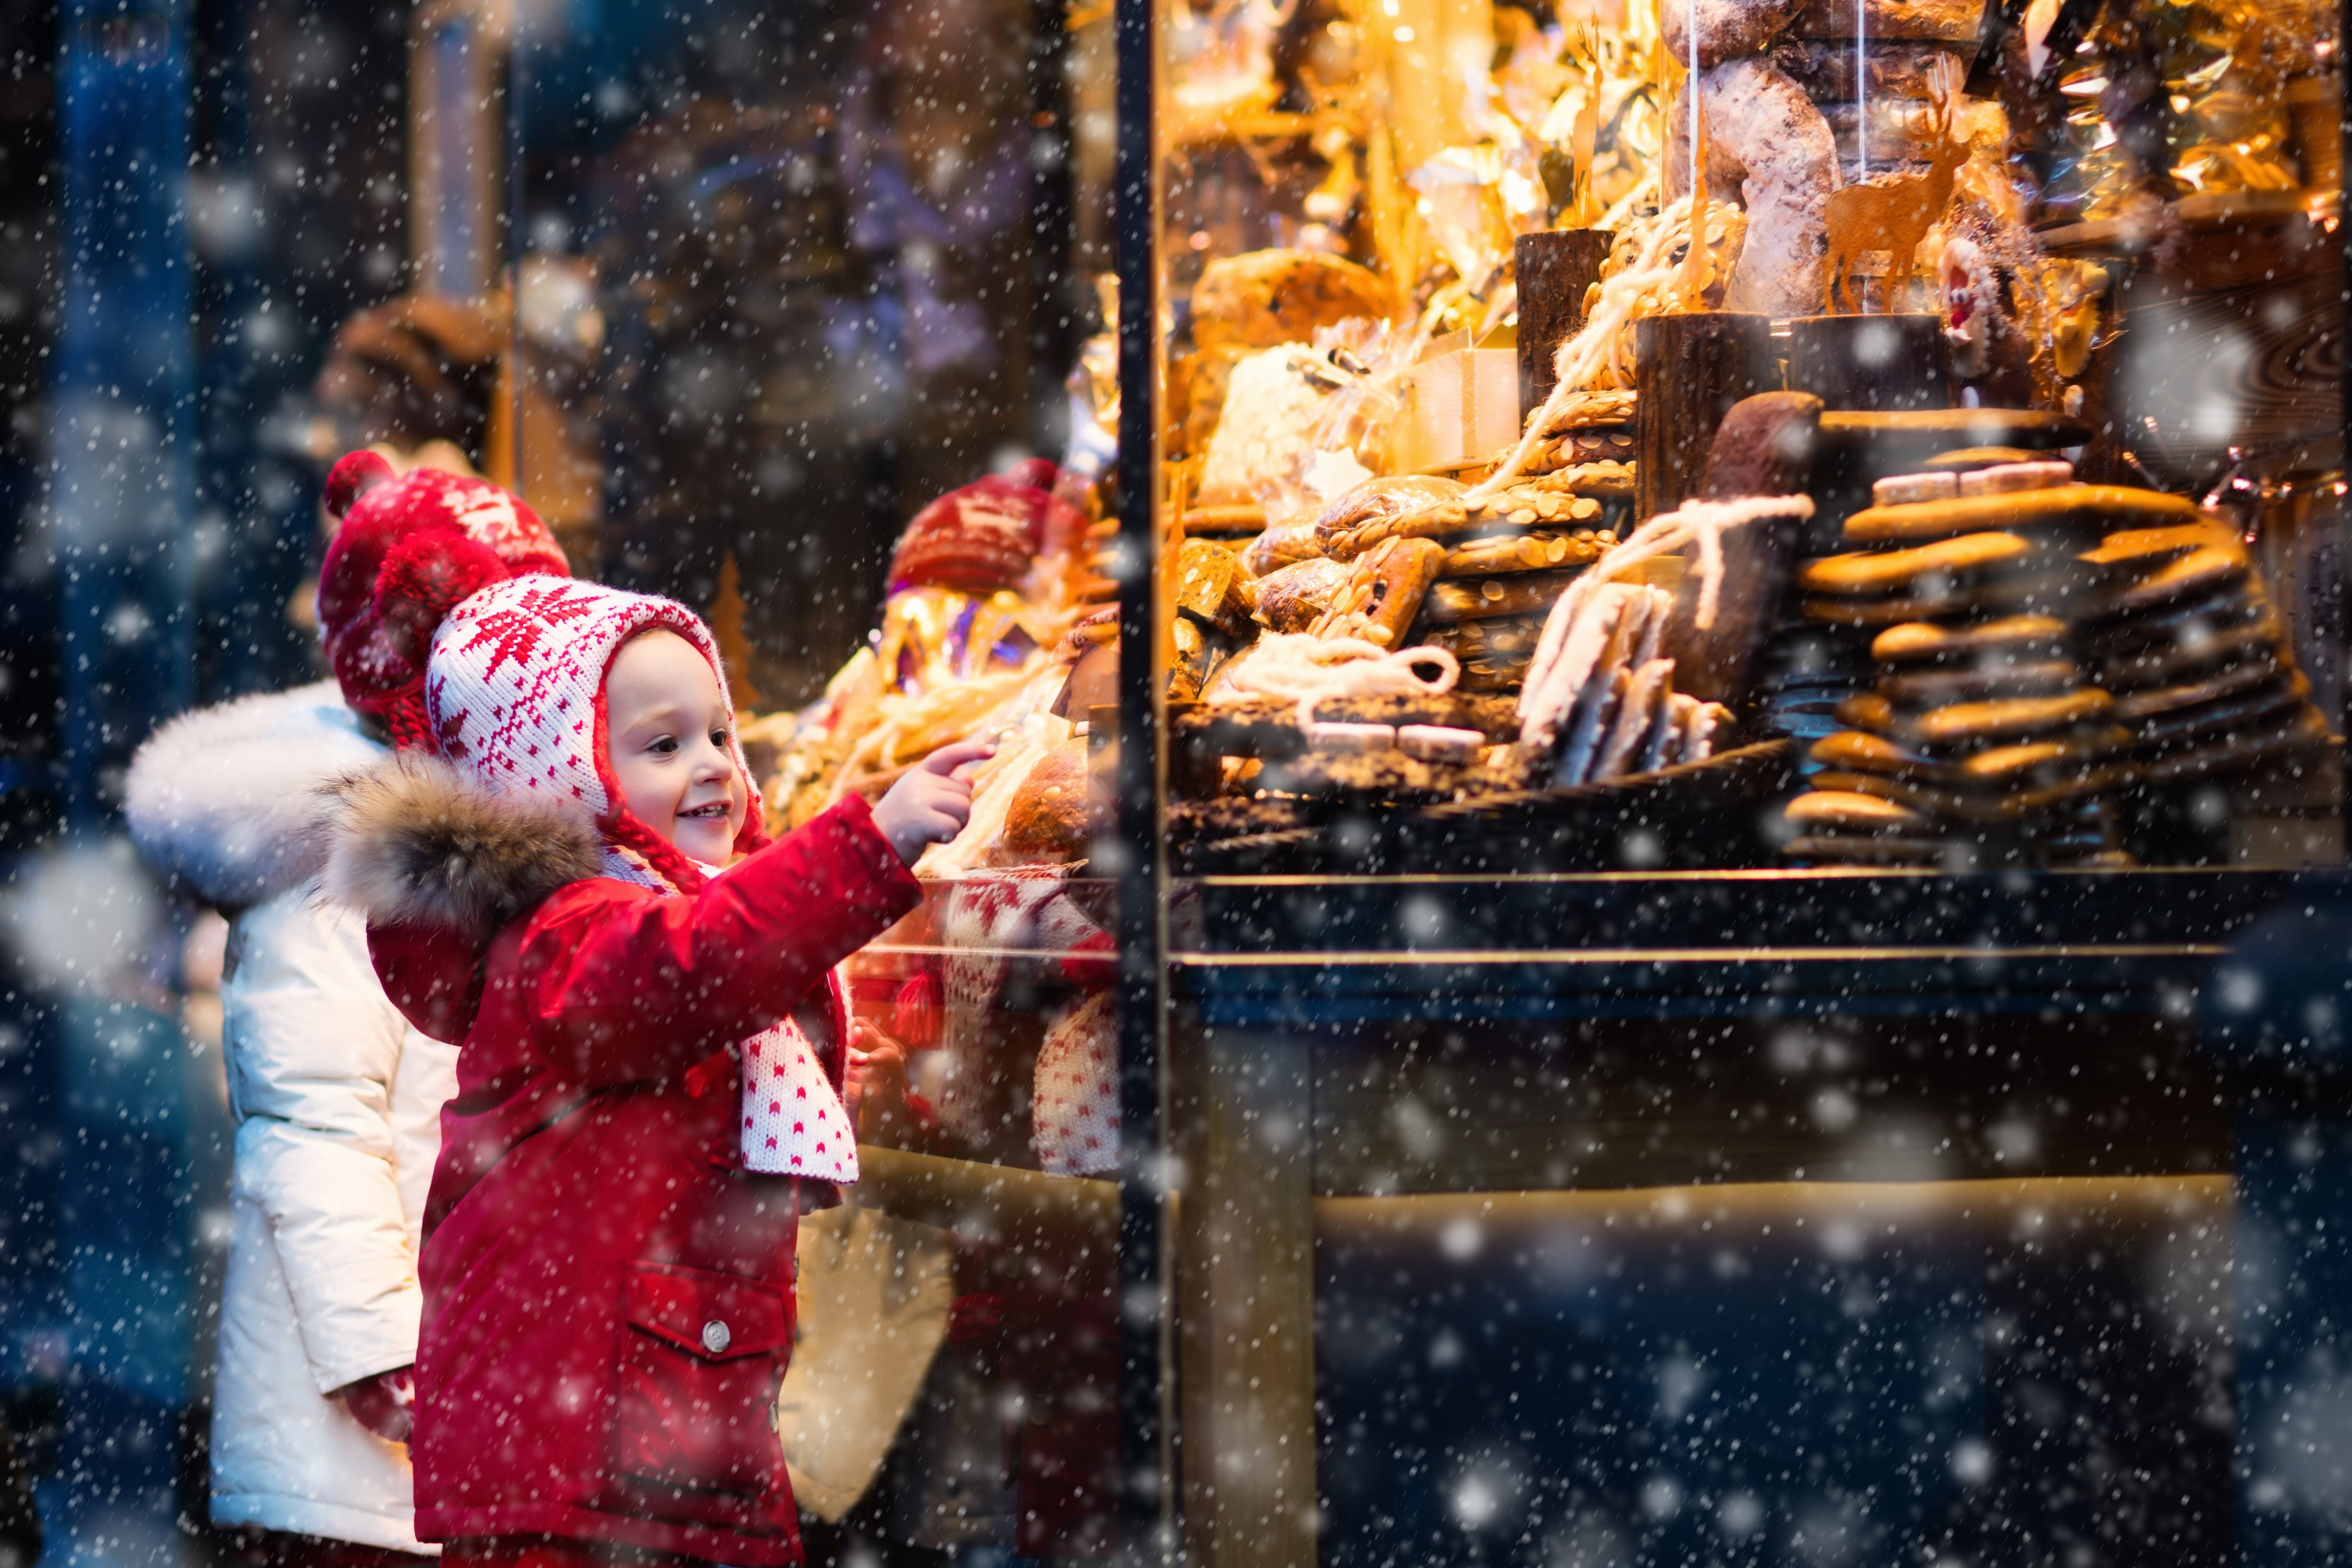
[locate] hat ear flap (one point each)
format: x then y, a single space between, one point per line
423 578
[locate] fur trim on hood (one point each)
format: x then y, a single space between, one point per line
219 801
416 841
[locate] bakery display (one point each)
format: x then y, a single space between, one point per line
1813 508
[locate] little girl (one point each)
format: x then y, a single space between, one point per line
652 1056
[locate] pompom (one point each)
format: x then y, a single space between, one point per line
379 655
353 474
1092 961
410 548
982 536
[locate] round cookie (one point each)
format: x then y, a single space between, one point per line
2005 718
2151 547
2206 570
2231 605
2300 729
1994 677
1973 725
1860 751
2048 759
2012 804
2104 507
2197 649
1848 811
2172 732
2157 700
1962 460
1864 573
1925 642
2028 592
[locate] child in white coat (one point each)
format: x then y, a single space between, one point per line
337 1100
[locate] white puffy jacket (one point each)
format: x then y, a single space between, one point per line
338 1106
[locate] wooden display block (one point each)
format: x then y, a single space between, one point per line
1690 369
1555 269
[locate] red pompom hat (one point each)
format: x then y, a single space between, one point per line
409 547
984 535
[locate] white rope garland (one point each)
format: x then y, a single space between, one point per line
1307 670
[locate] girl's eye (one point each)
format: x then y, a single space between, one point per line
664 746
719 739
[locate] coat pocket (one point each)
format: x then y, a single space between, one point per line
700 1358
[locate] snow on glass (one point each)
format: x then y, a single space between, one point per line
1482 1267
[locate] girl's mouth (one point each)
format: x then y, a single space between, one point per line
717 809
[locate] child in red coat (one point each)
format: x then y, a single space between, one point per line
565 871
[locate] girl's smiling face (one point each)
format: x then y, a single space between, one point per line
667 731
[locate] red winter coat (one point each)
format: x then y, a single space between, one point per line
608 1293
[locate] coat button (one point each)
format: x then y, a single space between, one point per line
716 1336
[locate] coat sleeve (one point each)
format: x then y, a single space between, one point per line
625 986
312 1048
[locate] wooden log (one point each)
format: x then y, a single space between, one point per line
1872 362
1690 370
1554 271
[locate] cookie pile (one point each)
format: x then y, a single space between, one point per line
1488 604
1588 427
1983 744
2198 660
1485 573
1566 498
1986 740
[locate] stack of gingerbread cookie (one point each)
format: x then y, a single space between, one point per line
1489 606
1587 428
1983 744
2197 659
1486 568
1985 740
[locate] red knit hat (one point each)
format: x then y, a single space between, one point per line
984 536
409 548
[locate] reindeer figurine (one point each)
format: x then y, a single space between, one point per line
1891 214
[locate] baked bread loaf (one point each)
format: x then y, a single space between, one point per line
1047 822
1376 501
1267 297
1291 598
1283 543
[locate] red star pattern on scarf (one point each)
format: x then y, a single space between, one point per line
789 1106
